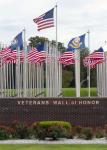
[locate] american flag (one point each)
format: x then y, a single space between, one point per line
36 57
46 20
67 58
94 58
17 55
4 52
8 55
32 55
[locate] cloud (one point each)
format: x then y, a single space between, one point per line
75 17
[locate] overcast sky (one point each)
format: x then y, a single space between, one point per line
75 17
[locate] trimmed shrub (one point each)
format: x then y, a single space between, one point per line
99 133
39 131
3 134
46 124
51 129
6 132
56 132
76 131
21 130
86 133
70 135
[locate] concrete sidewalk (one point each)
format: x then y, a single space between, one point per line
60 141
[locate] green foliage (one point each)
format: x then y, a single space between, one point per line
83 73
55 123
35 40
84 70
21 130
93 77
105 128
86 133
61 47
3 134
67 77
99 133
56 132
76 131
38 131
6 132
51 129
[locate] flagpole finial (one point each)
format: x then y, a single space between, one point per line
24 29
105 42
56 5
88 31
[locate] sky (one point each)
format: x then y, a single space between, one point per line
74 18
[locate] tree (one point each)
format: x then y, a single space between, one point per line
35 40
84 71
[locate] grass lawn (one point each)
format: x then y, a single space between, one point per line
71 92
52 147
66 92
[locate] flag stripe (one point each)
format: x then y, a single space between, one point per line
44 27
45 21
45 24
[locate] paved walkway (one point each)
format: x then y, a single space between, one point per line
60 141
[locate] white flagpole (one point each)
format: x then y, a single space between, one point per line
105 75
46 47
77 72
5 80
56 54
9 79
21 79
56 26
18 72
28 82
12 79
89 65
25 51
1 77
35 79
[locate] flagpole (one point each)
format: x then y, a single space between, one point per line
77 72
24 77
56 53
56 26
89 65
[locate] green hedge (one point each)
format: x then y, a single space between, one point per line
51 129
55 123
